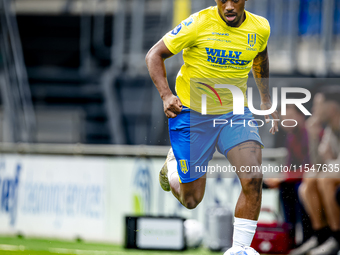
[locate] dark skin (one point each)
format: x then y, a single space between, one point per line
245 154
231 11
249 202
155 62
261 75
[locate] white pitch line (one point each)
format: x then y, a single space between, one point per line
7 247
80 252
89 252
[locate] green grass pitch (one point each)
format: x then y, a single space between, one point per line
26 246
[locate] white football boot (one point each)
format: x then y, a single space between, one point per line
241 250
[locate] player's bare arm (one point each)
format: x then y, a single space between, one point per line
155 62
261 75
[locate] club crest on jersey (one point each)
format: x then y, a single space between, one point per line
251 39
184 166
176 29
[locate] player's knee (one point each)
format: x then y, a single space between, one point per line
191 202
252 184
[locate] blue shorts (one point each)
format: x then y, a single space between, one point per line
195 137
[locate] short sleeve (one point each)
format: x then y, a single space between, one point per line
266 34
183 36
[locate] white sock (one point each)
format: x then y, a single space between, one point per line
244 231
172 168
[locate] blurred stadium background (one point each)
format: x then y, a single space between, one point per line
82 128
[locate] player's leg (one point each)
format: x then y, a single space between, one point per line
249 203
189 194
190 148
187 185
241 144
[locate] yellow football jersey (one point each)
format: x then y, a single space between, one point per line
215 53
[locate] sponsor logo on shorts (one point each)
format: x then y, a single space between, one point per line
184 166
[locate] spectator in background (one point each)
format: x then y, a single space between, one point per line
296 142
318 191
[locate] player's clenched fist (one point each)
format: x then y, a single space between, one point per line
275 115
172 106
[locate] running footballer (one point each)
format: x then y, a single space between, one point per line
223 42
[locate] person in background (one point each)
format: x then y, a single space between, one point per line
320 183
296 142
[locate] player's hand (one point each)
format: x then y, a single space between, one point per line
172 106
275 115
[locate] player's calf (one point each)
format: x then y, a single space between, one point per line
249 202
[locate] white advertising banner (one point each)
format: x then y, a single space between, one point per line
72 197
53 196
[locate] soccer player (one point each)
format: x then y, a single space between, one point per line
220 42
